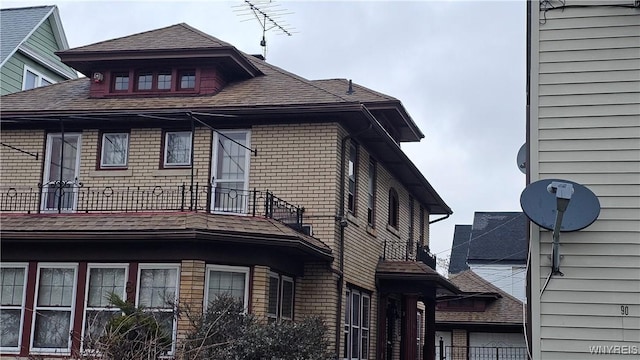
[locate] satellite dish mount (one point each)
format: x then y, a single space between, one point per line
563 192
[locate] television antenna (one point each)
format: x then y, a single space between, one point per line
270 16
559 205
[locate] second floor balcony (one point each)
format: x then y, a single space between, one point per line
73 197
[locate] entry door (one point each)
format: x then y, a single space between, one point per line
60 178
230 171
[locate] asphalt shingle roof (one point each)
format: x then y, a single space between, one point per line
498 237
459 249
17 24
504 310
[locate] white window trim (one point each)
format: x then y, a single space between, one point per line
214 164
86 294
57 351
284 278
126 154
166 143
141 267
38 74
227 268
350 326
25 266
47 169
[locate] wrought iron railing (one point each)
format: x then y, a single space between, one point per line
74 197
407 250
480 353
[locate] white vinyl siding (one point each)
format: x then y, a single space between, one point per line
585 118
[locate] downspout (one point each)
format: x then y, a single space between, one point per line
343 224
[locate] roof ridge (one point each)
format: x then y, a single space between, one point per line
202 33
29 7
292 75
122 37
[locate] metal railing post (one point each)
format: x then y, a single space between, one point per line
253 207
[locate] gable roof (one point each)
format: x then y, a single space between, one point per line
498 237
18 24
505 309
459 249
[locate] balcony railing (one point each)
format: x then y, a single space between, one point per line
72 197
480 353
399 250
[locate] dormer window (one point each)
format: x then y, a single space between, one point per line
164 80
121 82
145 81
187 79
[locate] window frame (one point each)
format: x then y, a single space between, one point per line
165 142
394 209
280 280
217 179
86 307
102 149
186 72
350 324
163 266
372 187
232 269
352 178
37 308
16 265
39 78
145 73
121 74
156 80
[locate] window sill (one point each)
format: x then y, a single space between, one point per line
352 219
393 230
111 173
372 231
173 172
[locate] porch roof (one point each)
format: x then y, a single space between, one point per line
162 226
412 277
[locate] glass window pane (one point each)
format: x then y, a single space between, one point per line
355 306
45 82
226 282
56 287
164 81
157 287
52 329
187 80
114 149
178 148
145 81
274 290
30 80
12 286
9 327
287 299
121 82
103 282
365 312
95 325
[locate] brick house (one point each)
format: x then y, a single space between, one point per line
181 167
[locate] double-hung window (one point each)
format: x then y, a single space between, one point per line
177 148
115 150
227 280
356 325
281 295
53 315
102 281
13 279
353 176
231 170
157 293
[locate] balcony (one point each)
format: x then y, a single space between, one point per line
480 353
72 197
407 250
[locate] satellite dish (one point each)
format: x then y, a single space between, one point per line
559 205
521 159
541 207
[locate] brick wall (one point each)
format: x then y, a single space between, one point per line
191 292
16 168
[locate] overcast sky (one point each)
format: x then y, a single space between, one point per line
458 67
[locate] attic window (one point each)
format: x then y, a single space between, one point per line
121 82
145 81
187 79
164 80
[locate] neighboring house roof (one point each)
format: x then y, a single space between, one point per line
505 309
18 24
498 237
459 249
256 230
